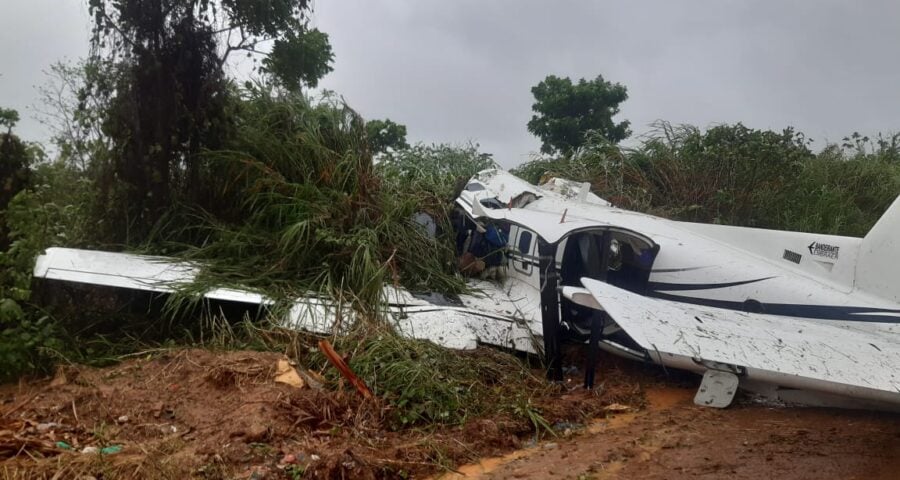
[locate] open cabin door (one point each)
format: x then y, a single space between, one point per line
619 257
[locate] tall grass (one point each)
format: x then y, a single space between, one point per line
303 211
734 175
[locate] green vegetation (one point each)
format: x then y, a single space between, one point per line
428 384
566 113
15 171
386 136
167 99
301 209
734 175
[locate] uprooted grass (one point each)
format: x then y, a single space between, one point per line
302 211
426 384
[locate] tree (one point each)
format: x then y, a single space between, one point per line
384 135
15 157
170 99
442 169
74 101
8 118
566 112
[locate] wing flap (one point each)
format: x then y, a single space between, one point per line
793 352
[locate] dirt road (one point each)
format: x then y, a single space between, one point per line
673 439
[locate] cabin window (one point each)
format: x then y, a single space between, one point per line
524 247
525 243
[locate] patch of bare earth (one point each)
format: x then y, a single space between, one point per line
674 439
203 414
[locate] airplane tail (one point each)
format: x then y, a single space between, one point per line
878 265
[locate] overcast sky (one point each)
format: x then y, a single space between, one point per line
454 71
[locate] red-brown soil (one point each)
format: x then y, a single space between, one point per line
202 414
674 439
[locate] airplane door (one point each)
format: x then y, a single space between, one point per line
524 247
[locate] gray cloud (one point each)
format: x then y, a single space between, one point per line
35 34
462 70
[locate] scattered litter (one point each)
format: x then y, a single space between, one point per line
89 450
122 419
63 445
616 408
285 373
111 450
43 427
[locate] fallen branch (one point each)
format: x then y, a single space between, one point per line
344 369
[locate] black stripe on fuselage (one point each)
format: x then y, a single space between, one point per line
670 270
819 312
699 286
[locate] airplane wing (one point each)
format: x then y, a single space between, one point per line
488 315
786 351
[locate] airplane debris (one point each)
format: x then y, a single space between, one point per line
742 303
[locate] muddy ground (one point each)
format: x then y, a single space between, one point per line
195 413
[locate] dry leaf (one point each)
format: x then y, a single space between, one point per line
285 373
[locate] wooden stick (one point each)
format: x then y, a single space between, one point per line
342 367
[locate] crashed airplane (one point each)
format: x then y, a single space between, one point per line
796 317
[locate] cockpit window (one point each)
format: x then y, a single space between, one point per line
525 243
474 187
492 203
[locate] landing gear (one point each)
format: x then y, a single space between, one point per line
717 389
593 348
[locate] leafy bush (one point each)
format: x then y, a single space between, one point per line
53 212
836 194
440 170
303 210
598 162
723 175
15 172
734 175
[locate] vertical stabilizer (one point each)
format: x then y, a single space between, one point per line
878 267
